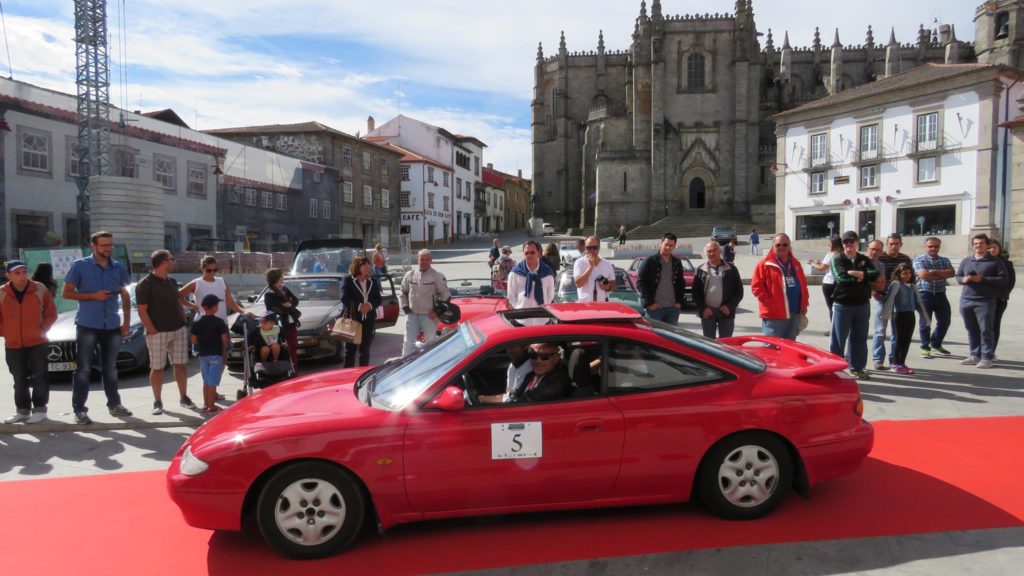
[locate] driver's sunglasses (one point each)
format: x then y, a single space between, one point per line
782 245
538 356
593 248
211 270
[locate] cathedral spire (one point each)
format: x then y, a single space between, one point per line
643 9
656 9
892 55
816 44
561 43
769 44
870 39
836 43
785 41
952 47
600 40
540 51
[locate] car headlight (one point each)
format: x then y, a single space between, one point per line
133 333
191 465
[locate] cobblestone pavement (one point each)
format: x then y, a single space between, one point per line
941 388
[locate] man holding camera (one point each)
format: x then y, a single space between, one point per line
982 276
595 276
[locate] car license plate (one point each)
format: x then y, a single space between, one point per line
61 366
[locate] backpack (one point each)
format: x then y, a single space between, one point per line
501 269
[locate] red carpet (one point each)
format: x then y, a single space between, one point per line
923 476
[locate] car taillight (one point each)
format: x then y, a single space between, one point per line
858 407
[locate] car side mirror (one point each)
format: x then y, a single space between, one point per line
251 298
450 399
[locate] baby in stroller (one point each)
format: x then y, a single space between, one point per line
262 350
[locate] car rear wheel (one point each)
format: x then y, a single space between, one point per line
745 476
310 510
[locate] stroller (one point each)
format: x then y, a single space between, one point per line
258 374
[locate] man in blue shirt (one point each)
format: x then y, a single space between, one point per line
96 282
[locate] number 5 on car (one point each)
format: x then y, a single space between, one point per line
516 440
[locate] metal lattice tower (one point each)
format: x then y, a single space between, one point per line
92 76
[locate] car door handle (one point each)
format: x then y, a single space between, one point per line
590 426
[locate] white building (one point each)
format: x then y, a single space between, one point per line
919 153
171 169
425 198
463 154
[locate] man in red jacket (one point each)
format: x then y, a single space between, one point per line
780 287
26 314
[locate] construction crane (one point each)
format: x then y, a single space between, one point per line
92 77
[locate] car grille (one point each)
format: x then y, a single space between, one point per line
62 351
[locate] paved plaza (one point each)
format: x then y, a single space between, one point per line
940 389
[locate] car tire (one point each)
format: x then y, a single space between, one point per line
745 476
310 510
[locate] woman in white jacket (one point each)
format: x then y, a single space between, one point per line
532 281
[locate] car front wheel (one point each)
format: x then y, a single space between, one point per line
310 510
745 476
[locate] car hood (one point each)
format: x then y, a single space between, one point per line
306 405
471 307
64 328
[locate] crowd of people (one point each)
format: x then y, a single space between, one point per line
882 287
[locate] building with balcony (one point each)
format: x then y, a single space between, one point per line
920 153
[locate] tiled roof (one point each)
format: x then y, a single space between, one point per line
411 157
298 128
71 117
493 178
925 74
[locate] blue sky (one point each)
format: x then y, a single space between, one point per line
463 65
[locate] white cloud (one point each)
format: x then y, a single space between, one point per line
266 61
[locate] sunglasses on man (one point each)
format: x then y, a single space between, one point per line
593 248
544 356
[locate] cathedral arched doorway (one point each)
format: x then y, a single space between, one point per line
698 197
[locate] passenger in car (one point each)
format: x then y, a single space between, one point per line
518 368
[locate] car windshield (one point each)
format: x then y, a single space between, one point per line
331 260
474 287
730 354
315 288
394 385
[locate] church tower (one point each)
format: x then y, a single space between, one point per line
999 33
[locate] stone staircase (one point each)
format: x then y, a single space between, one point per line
697 226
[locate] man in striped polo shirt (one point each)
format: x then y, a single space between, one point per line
932 271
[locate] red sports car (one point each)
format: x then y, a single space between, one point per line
688 272
646 413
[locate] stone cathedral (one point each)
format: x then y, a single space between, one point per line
680 124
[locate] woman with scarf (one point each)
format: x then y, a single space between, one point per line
532 281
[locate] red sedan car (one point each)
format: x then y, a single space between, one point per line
475 297
688 272
650 414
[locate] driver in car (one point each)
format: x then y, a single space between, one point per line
549 379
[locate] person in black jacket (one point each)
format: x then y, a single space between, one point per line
661 283
995 248
549 379
854 274
360 295
717 291
281 301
